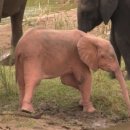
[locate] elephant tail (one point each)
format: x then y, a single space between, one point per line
19 70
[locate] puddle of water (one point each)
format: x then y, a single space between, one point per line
123 126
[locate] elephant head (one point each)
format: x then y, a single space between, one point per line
99 54
92 12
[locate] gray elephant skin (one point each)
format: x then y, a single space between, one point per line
14 9
92 12
68 54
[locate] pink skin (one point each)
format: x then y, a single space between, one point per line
66 54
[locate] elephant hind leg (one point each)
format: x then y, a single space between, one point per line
20 79
32 77
29 91
21 92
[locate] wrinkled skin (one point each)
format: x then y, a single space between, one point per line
92 12
70 55
15 10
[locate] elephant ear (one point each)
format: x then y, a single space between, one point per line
88 52
107 8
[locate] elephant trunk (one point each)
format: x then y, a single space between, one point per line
120 78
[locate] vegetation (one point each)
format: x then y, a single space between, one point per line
46 6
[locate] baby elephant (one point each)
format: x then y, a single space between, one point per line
68 54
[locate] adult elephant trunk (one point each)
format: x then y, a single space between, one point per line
1 8
120 78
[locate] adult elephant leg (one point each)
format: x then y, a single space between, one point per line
17 31
117 51
125 47
16 26
114 44
126 57
16 23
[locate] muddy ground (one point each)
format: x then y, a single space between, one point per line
53 118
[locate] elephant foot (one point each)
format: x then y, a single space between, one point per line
28 111
29 115
7 59
89 108
27 107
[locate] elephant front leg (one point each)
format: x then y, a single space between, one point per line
85 89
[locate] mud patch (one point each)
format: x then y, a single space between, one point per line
73 117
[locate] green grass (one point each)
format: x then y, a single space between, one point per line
53 5
106 94
42 7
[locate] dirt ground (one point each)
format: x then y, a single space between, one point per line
53 118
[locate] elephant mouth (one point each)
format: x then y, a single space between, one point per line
108 68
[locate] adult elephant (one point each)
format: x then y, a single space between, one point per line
14 9
92 12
